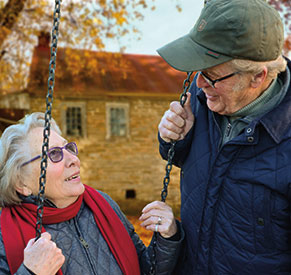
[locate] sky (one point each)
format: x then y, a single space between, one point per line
161 26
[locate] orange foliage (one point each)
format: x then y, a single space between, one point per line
84 24
287 44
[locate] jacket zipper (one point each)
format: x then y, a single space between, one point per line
83 242
85 245
228 130
218 151
220 138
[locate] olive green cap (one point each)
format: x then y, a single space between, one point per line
225 30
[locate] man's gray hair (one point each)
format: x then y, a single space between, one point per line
14 151
274 67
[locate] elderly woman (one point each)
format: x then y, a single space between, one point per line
84 231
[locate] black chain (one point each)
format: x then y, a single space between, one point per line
46 131
171 152
169 165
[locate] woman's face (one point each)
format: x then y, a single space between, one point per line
63 181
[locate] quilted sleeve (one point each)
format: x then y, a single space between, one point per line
182 148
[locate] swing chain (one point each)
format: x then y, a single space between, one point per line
46 131
171 153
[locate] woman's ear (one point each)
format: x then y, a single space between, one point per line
259 78
23 189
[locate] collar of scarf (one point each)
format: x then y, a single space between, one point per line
18 227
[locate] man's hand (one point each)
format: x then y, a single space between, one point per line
177 121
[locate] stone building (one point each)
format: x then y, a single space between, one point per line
110 104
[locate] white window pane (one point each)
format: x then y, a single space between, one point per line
118 121
74 121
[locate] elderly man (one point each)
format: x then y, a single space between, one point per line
233 141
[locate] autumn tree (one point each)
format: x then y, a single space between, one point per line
284 8
84 24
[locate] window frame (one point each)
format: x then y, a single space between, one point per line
64 108
125 107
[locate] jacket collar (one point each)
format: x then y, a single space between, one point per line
278 121
34 200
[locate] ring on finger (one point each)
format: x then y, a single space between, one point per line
160 220
156 227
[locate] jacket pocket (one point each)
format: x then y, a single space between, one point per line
263 232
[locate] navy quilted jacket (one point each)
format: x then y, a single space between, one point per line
235 207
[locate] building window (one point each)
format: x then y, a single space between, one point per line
117 119
73 119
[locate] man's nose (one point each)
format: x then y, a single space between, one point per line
201 82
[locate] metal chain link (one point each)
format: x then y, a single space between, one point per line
46 131
46 134
169 165
171 152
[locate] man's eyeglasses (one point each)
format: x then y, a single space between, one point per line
56 153
212 82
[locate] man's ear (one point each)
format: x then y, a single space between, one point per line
259 78
23 189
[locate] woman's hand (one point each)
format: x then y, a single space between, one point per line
43 256
177 121
158 216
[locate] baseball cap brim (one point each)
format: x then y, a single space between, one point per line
186 55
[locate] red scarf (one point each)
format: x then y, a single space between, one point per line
18 227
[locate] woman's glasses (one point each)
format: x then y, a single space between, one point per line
56 153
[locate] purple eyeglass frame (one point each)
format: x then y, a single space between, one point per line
62 154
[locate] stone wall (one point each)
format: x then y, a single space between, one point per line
123 166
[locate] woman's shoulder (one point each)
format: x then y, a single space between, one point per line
107 198
117 210
112 203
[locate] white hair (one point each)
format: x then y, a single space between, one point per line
254 67
14 151
274 66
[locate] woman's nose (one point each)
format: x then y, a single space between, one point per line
71 159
